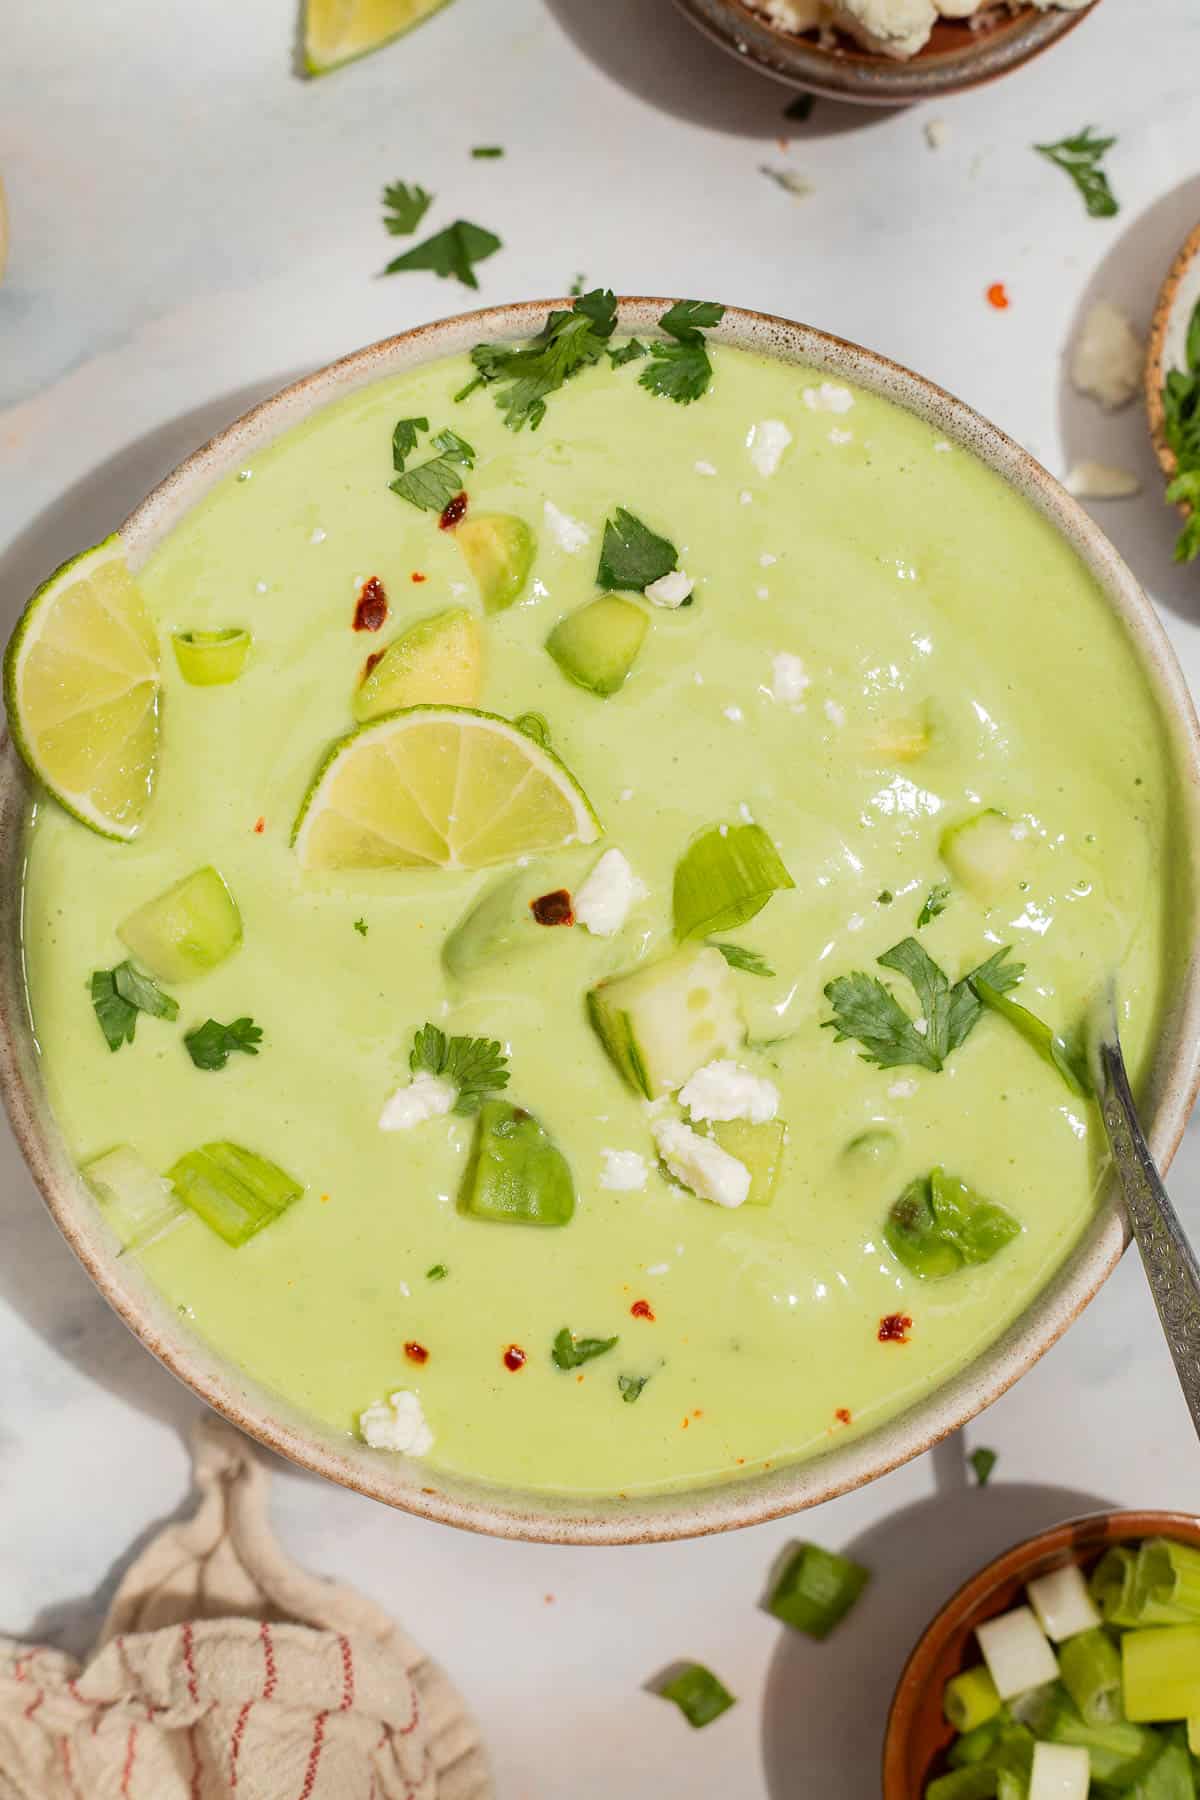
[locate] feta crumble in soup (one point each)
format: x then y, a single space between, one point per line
562 898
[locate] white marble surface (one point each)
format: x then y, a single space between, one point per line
191 224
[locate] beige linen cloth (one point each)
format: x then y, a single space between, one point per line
223 1669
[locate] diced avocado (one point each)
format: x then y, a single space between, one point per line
663 1022
597 646
760 1149
187 930
517 1174
499 923
436 662
499 549
985 853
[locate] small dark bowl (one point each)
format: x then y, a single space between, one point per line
959 55
917 1734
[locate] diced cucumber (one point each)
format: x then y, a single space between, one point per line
137 1203
662 1023
436 662
517 1175
187 930
760 1148
597 646
985 853
499 550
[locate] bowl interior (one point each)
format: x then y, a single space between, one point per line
917 1733
1167 1098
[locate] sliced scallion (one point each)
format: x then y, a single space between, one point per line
233 1190
211 658
1114 1586
815 1590
1090 1666
1167 1583
725 877
137 1203
971 1699
698 1694
1060 1772
1160 1669
976 1782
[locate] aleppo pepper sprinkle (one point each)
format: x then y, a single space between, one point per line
372 608
553 909
455 511
998 296
260 825
843 1415
376 656
641 1310
895 1328
514 1358
417 576
416 1352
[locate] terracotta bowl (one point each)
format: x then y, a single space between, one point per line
1170 1086
917 1734
1177 300
957 56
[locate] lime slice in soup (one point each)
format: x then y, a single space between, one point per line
438 787
336 31
81 687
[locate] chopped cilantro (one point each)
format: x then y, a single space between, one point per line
454 251
983 1462
120 994
631 555
936 901
405 207
476 1066
404 440
628 353
681 370
483 152
569 1351
801 107
1181 428
211 1045
438 1272
748 960
576 287
432 485
1081 157
360 925
571 339
884 897
864 1009
631 1387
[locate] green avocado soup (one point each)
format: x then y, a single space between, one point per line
945 657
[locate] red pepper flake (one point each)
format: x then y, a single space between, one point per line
260 825
549 1601
998 296
376 656
417 576
843 1415
514 1358
416 1352
372 608
454 512
895 1328
553 909
641 1310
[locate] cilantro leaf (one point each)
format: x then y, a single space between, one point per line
360 925
936 901
983 1462
404 440
438 1272
966 1008
681 370
571 339
689 316
405 207
211 1045
476 1066
931 987
631 1387
569 1351
748 960
866 1010
631 555
1081 157
487 151
454 251
627 353
119 995
432 485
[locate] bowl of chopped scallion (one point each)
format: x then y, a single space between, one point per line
1173 391
1069 1666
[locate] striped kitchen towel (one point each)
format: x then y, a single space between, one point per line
224 1669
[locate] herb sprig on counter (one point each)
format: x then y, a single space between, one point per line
454 251
477 1067
120 994
866 1010
404 207
1181 428
1080 156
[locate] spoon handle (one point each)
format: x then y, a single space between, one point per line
1170 1262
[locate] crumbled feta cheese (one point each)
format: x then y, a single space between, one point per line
624 1171
260 587
902 1090
397 1423
766 560
659 1269
829 397
745 497
936 131
896 28
856 922
701 1164
318 536
602 903
1100 481
705 468
762 593
733 714
834 713
245 474
567 532
788 680
1106 361
840 437
724 1090
625 794
766 443
941 445
959 9
744 813
426 1097
671 589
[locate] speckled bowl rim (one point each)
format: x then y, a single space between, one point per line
866 78
728 1503
1072 1541
1164 349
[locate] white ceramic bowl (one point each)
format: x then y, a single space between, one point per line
718 1506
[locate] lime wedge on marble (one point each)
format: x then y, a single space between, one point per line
338 31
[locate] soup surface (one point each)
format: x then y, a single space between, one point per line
954 657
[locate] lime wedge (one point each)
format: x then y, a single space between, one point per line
439 787
81 688
337 31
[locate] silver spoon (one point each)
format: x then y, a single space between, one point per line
1167 1256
